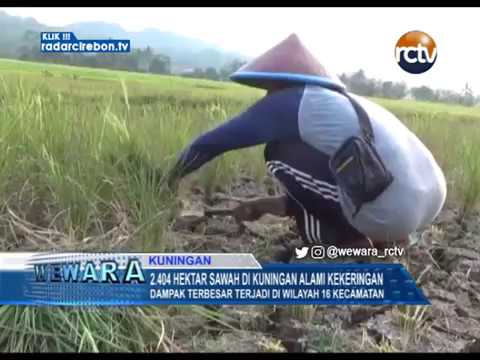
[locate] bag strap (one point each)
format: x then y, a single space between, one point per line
363 119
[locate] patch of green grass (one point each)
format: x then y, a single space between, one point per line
440 111
35 329
322 339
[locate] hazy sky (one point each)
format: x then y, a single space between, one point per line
343 39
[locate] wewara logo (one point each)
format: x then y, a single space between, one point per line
416 52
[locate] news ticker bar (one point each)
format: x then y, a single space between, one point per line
67 42
135 279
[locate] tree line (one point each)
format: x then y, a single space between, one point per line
211 73
360 84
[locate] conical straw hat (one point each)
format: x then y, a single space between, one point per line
289 61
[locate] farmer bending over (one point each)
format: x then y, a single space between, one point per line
353 174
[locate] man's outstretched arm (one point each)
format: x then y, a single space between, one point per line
273 118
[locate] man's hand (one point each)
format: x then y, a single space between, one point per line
173 183
247 211
252 210
174 177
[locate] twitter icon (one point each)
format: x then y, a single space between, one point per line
302 252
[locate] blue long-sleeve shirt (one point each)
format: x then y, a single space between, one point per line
324 119
272 118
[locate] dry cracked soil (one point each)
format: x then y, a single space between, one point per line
445 264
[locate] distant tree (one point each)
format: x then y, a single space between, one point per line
211 73
198 73
447 96
423 93
31 35
91 61
399 90
160 65
28 48
375 87
358 82
467 96
236 64
477 100
24 52
361 85
130 63
387 89
144 58
344 79
142 64
149 55
229 68
394 90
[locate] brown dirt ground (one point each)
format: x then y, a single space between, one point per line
446 265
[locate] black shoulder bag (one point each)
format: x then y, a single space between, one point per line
356 165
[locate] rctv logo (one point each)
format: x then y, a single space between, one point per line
416 52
